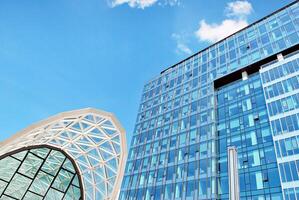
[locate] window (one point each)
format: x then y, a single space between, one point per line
194 149
254 158
192 135
233 109
246 105
191 169
184 124
234 124
170 173
180 171
182 138
160 175
168 192
202 187
256 180
203 166
178 190
193 121
190 193
162 159
203 149
171 156
251 138
270 155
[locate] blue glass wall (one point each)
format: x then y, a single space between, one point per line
243 123
281 86
173 152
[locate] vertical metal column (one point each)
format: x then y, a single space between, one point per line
233 174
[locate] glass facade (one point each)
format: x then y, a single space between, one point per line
243 123
185 123
39 173
281 83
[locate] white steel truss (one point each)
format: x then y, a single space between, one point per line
95 141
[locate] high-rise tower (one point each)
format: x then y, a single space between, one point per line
241 92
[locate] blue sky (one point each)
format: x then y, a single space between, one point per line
59 55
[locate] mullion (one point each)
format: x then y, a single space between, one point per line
33 193
37 172
80 198
69 185
3 180
22 160
50 186
10 196
59 166
44 160
24 175
46 173
14 173
73 175
75 185
40 156
17 158
57 190
68 170
61 190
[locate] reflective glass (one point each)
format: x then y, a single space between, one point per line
195 111
39 174
18 186
41 183
8 166
30 165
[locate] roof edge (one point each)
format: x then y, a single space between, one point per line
255 22
63 115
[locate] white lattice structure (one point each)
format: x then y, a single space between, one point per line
94 140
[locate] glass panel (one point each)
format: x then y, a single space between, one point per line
68 165
20 156
62 180
54 195
32 196
53 162
30 165
73 193
76 181
38 176
41 152
8 166
2 186
4 197
41 183
18 186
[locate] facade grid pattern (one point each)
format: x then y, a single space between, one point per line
283 107
174 152
94 140
39 173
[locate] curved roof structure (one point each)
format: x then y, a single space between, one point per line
93 140
37 173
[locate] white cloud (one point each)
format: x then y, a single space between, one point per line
144 3
181 44
170 3
134 3
239 8
237 13
216 32
181 47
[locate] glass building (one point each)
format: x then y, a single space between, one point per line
76 155
242 93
